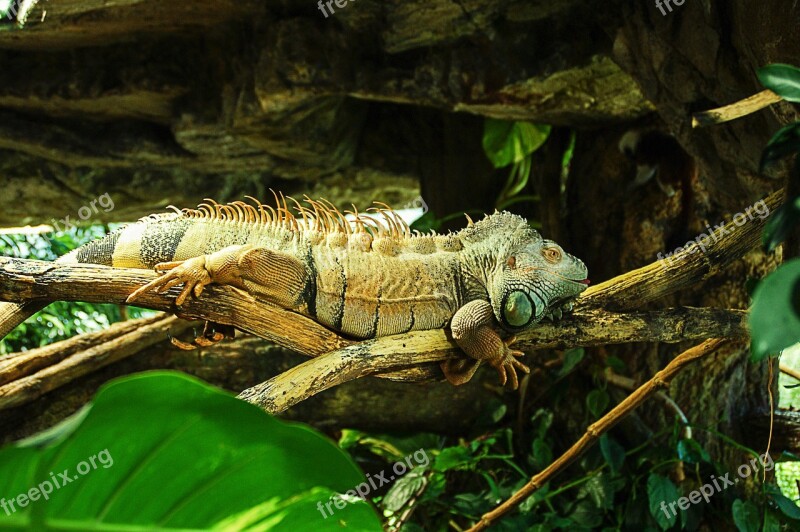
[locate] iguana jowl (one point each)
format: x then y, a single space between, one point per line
360 277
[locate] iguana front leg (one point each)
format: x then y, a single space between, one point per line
472 330
268 274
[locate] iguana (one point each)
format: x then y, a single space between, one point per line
358 276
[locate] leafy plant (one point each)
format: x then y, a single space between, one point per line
512 144
775 314
179 454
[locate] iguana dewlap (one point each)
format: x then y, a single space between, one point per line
361 277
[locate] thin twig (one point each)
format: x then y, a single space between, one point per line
790 371
659 381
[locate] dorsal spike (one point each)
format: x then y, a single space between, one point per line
341 221
239 213
303 212
279 217
470 223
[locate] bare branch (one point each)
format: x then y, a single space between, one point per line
400 351
687 268
735 110
117 347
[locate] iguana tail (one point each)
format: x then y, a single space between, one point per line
95 252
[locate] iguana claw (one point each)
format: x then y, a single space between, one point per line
509 365
191 273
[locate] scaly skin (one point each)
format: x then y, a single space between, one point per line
368 281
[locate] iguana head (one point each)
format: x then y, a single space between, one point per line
526 276
535 279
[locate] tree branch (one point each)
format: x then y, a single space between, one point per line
413 356
598 428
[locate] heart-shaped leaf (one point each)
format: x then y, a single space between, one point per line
775 316
782 79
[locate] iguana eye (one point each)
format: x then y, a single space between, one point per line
511 262
552 254
517 309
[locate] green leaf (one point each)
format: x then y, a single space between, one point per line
404 489
510 142
692 452
544 417
772 523
597 402
453 458
162 450
745 516
774 321
782 79
542 454
616 364
613 452
572 358
661 490
780 224
586 514
786 505
783 143
600 491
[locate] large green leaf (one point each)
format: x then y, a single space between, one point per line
774 320
160 451
510 142
781 79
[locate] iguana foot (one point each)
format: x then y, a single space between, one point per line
192 274
507 365
212 334
473 332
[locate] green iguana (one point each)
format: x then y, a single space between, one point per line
360 277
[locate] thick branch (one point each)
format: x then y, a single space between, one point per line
120 342
687 268
589 327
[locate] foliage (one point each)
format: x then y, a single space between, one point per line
775 314
612 487
506 144
203 459
513 143
61 319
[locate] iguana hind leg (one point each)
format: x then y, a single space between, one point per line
472 330
277 277
212 334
